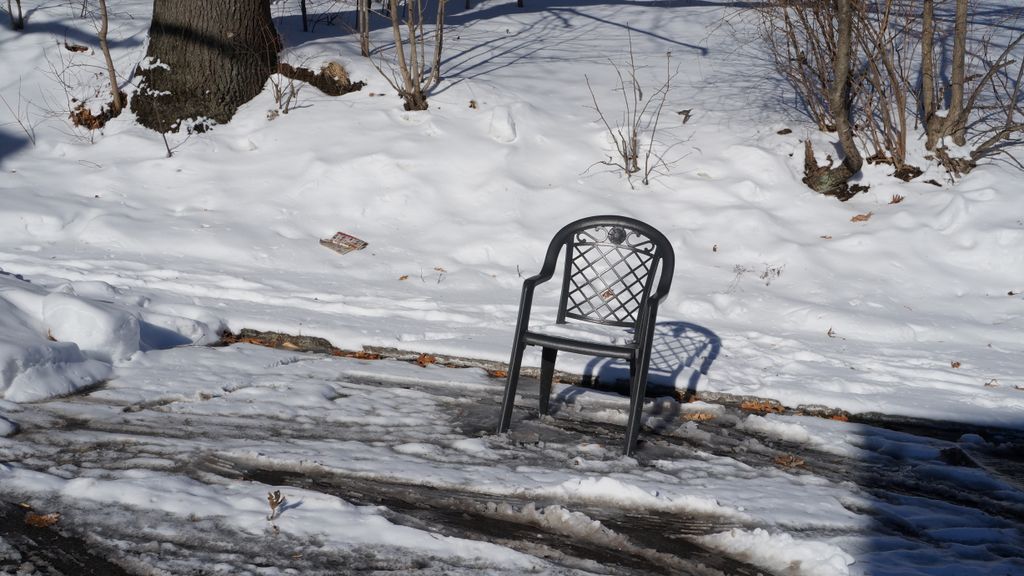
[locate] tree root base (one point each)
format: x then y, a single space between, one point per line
332 79
83 117
828 180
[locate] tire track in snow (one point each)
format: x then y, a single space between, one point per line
176 436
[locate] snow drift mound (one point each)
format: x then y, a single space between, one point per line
35 367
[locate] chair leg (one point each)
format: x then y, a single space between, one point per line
547 372
637 392
514 363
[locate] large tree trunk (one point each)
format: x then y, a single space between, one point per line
205 59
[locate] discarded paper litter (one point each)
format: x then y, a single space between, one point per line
343 243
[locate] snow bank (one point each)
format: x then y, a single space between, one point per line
781 553
32 367
57 340
101 330
607 490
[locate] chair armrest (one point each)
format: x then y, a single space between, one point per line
526 300
536 279
665 282
547 270
658 296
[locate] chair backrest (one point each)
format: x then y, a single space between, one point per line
611 263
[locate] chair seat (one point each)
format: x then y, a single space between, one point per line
588 332
584 338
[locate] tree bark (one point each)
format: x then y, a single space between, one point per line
929 96
435 63
826 179
17 23
205 59
956 118
840 96
116 103
363 8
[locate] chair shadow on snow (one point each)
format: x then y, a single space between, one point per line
682 352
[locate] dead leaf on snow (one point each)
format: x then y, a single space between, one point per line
698 416
862 217
789 461
358 355
761 406
42 520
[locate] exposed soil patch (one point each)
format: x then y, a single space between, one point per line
45 550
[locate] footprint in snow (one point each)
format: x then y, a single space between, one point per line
503 126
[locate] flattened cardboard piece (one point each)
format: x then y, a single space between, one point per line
343 243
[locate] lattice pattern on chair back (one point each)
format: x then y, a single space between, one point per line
608 275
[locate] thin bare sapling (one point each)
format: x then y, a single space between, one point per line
634 134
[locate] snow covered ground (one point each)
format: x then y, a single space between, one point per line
113 257
387 465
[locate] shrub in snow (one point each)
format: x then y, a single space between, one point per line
634 135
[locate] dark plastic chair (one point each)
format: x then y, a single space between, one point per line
611 263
